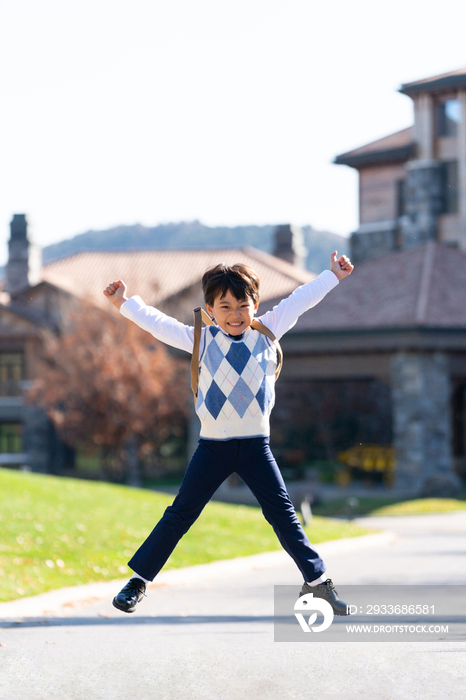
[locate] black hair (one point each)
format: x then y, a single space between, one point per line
239 279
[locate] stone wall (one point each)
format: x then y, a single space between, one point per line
24 257
289 244
423 203
368 245
421 404
418 224
37 438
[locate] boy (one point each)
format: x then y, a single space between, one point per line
235 397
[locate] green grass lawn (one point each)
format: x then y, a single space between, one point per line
57 532
390 506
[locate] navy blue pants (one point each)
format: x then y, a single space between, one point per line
212 463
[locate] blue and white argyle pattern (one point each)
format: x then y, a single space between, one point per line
236 384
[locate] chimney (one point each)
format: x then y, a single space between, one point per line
24 257
289 244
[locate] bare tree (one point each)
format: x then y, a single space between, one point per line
105 382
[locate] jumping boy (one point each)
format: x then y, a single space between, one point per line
235 397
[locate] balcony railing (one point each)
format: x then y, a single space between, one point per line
11 387
17 459
14 387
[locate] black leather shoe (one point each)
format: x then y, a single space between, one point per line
327 591
130 595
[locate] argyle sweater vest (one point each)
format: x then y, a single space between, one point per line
236 385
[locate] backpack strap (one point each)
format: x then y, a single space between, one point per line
200 316
258 326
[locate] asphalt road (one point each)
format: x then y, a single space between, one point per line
207 633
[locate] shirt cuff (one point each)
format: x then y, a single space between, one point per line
132 306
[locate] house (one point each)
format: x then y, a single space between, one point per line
382 359
412 184
402 319
36 300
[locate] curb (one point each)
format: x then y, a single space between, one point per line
64 599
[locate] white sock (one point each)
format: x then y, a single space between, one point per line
321 579
135 575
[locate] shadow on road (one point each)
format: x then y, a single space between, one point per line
126 620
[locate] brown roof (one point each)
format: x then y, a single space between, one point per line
392 148
159 274
424 286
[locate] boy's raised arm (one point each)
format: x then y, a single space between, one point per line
161 326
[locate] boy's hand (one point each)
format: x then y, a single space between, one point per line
341 267
116 293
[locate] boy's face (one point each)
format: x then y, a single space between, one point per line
233 316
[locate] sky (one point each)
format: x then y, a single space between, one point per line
226 111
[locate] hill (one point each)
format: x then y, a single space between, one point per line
194 234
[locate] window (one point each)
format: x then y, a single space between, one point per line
11 373
10 438
449 185
448 117
401 197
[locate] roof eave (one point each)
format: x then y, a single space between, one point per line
34 319
33 288
441 85
385 157
380 330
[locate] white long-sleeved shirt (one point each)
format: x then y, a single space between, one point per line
235 397
280 319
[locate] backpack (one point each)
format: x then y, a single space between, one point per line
200 316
